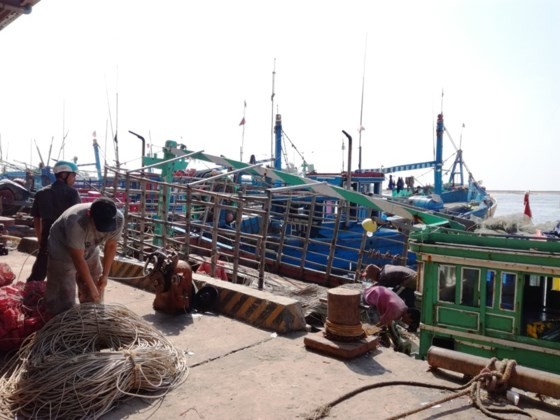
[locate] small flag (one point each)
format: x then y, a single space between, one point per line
362 128
527 212
242 121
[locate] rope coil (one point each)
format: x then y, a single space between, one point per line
341 332
85 361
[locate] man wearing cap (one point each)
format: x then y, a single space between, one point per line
74 254
402 280
49 203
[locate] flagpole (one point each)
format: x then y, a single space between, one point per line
362 111
243 132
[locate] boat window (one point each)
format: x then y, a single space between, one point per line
470 287
534 280
508 291
490 277
447 283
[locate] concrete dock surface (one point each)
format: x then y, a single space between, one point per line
238 371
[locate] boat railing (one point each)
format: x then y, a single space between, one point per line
297 233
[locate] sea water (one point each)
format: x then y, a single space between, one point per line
545 206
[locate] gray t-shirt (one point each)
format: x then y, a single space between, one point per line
75 229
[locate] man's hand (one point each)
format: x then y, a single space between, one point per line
88 294
101 284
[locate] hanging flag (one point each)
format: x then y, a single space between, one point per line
527 212
242 121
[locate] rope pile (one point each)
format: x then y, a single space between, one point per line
85 361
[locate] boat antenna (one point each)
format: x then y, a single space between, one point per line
117 121
243 131
272 114
441 106
63 145
50 150
362 111
39 152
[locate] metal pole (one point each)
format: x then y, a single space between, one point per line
532 380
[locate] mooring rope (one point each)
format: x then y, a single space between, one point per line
493 380
346 332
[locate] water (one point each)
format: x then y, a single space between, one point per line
545 206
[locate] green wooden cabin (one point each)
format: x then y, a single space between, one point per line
490 295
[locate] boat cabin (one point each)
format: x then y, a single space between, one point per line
490 295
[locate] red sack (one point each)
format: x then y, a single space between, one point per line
7 276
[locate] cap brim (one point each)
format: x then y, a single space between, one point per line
106 225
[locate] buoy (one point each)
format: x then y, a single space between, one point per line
370 226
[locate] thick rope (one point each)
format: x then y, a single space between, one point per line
494 381
85 361
344 332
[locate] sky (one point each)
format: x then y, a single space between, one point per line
190 71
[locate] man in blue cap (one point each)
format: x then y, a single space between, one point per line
74 253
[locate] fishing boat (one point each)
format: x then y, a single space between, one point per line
467 200
330 231
308 227
490 295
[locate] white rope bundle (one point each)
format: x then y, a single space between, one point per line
86 360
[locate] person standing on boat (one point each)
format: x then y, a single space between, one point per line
402 280
74 253
49 203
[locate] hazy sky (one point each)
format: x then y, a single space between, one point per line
182 71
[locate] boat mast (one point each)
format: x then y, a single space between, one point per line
117 123
272 112
278 151
243 132
362 111
439 156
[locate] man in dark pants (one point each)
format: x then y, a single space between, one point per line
49 203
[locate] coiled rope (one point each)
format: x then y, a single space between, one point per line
85 361
493 378
344 332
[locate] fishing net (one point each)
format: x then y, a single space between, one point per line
85 361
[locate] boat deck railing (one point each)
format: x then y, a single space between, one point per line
297 233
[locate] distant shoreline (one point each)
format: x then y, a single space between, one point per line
523 191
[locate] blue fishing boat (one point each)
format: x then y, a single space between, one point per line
315 222
308 227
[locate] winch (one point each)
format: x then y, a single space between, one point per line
172 280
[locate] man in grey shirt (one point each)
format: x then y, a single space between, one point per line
74 253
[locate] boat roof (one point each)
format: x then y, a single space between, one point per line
10 10
323 188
